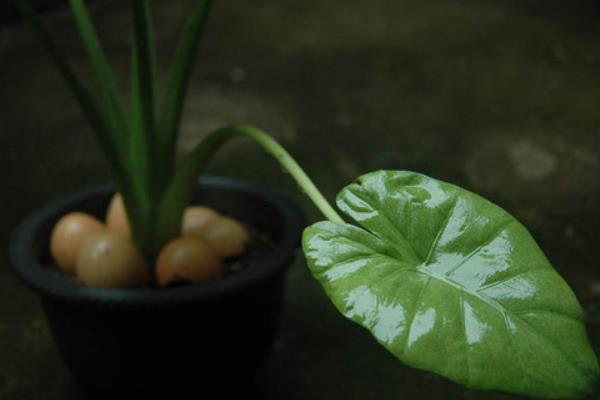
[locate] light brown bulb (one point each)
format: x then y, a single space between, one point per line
187 259
110 260
68 236
196 219
116 217
227 236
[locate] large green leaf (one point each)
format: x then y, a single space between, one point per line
451 283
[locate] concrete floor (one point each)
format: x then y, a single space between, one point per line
500 97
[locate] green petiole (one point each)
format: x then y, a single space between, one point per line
272 147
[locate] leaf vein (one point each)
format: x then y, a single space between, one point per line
542 311
379 280
473 253
414 314
498 307
496 283
381 210
441 231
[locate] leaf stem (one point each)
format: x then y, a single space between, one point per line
272 147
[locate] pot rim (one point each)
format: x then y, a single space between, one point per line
53 283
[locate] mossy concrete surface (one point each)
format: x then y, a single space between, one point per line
501 97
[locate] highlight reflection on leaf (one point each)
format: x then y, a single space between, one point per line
451 283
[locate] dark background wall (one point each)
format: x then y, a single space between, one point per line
9 13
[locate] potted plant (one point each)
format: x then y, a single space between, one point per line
445 280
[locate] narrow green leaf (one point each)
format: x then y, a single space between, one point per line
180 189
115 111
138 140
145 55
177 85
142 143
90 108
81 93
451 283
94 112
116 117
143 135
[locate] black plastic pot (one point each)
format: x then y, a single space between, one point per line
160 342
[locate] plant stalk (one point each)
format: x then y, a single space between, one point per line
272 147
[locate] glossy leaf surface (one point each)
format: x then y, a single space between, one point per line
453 284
